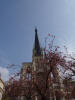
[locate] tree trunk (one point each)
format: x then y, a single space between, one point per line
44 98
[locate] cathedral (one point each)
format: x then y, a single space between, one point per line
35 70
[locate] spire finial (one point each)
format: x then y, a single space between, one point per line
35 30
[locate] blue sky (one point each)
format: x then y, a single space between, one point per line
18 19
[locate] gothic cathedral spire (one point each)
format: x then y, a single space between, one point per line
37 49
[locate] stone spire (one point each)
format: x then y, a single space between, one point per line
37 49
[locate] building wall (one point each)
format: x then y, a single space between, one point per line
1 84
38 68
1 88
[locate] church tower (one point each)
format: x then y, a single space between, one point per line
36 49
37 54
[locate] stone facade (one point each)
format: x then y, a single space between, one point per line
1 88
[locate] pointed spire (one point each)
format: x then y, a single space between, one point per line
37 50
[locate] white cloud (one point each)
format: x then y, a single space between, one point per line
4 73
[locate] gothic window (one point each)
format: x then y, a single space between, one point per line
28 73
28 76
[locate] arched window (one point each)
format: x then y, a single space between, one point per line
28 76
28 73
